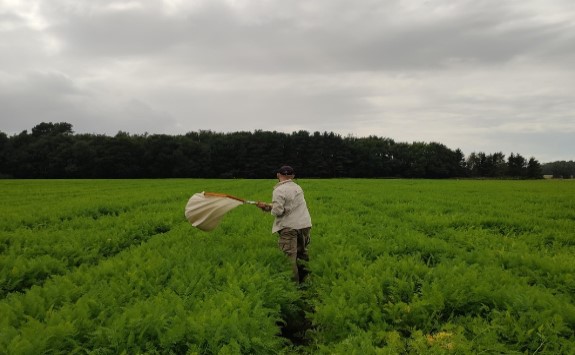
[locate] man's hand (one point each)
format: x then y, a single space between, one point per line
266 207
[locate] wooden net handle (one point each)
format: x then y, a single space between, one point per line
217 194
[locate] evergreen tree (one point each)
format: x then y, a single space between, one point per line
516 165
534 170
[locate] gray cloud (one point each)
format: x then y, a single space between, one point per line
117 33
376 36
36 97
481 76
54 97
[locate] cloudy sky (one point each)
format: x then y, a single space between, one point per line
479 75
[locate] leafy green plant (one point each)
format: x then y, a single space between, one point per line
397 266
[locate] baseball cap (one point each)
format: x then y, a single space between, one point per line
286 170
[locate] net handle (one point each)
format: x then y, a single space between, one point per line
217 194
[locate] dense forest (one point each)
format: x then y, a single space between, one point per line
53 150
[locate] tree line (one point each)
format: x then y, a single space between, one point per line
560 169
53 150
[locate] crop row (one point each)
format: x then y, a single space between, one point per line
160 297
463 266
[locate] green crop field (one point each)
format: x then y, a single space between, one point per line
397 267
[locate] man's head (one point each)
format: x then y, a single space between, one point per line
286 172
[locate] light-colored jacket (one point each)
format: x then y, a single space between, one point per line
289 207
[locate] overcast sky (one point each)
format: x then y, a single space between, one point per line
479 75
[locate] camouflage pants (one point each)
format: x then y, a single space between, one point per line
294 242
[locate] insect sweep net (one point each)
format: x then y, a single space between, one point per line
204 210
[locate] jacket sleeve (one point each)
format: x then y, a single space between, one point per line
278 203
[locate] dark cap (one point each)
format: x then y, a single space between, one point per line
286 170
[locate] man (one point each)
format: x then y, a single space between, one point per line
292 220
